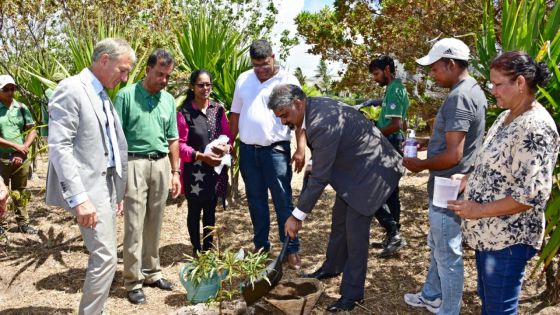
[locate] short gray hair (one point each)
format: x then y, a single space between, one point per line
114 47
284 94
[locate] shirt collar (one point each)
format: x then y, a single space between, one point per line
144 92
95 83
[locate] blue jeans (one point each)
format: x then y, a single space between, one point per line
264 169
500 276
445 275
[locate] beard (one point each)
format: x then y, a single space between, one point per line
291 126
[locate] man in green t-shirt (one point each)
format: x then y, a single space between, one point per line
149 121
15 120
394 111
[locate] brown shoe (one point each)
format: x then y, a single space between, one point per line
294 261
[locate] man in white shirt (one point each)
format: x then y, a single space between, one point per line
264 152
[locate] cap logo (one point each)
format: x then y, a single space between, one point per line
448 52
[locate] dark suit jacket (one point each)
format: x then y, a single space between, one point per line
350 154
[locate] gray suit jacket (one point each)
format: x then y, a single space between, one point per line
77 150
350 154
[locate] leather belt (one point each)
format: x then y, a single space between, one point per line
267 146
150 156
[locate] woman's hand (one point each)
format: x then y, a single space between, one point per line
221 149
210 158
466 209
463 178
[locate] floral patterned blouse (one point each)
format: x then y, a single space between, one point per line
515 160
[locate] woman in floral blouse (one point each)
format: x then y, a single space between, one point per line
506 194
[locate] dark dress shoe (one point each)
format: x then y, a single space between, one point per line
396 242
136 296
342 305
161 284
320 274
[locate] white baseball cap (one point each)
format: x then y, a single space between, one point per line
445 48
6 79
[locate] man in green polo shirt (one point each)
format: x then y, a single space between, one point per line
149 121
394 112
15 119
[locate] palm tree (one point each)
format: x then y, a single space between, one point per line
300 76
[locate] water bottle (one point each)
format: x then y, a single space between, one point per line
410 144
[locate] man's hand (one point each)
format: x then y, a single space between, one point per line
86 214
175 185
120 208
298 160
292 227
21 148
413 164
422 143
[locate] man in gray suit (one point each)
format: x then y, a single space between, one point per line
88 161
354 157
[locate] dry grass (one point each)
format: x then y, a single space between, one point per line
44 274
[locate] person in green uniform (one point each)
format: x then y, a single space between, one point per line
16 136
391 122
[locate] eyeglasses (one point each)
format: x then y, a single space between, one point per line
203 85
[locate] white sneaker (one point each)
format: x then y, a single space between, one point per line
416 300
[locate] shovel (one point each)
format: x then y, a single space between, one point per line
251 293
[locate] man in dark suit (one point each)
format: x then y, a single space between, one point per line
354 157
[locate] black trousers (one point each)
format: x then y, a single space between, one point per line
389 216
208 210
347 250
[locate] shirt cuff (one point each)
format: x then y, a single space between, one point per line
77 199
300 215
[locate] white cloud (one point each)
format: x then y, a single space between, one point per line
299 57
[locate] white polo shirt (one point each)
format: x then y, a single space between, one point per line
257 123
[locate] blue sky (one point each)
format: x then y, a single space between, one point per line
316 5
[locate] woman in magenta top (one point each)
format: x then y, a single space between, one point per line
199 122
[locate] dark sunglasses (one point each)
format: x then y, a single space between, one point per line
203 85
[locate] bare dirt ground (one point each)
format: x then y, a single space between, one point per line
44 274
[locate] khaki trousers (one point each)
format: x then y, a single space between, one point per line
144 203
15 178
101 243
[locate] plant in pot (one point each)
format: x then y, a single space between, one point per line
215 274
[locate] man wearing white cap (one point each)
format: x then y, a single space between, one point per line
457 135
15 119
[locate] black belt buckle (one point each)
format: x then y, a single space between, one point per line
149 156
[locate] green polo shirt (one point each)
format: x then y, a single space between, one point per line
13 119
148 121
395 104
